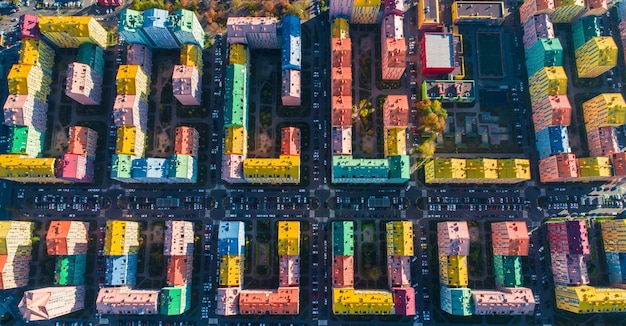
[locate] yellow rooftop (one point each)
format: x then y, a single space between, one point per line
132 80
129 140
400 238
453 270
238 54
362 302
288 238
72 31
285 169
231 270
21 168
235 140
482 168
122 238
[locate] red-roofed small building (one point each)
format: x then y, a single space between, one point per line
75 168
179 270
82 141
187 141
568 237
393 52
558 168
66 238
510 238
602 141
290 141
399 271
283 301
618 160
28 27
396 111
404 301
110 3
343 271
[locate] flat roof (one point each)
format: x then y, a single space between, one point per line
451 88
439 50
431 10
475 9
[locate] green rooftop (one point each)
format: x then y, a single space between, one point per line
508 270
343 238
174 300
399 168
456 301
546 52
235 96
25 140
585 29
183 167
70 270
121 166
93 56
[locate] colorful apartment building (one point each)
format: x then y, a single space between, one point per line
235 140
130 141
179 237
26 141
584 30
558 168
340 8
453 238
290 141
596 56
65 238
602 141
290 89
174 301
29 80
288 238
552 140
186 27
449 91
546 52
531 8
340 28
232 168
25 110
255 32
607 109
365 11
481 12
507 271
509 301
23 169
588 299
428 15
456 301
186 141
191 55
437 53
510 238
121 167
141 55
155 30
282 170
15 253
130 110
28 27
82 141
618 160
132 80
553 110
37 53
231 240
536 28
362 302
72 31
187 85
453 271
70 270
238 54
291 48
236 96
404 301
567 10
51 302
130 25
569 237
122 238
341 138
569 269
282 301
227 301
400 238
614 244
151 170
83 84
547 81
121 270
596 168
393 170
394 49
393 7
127 301
93 56
231 270
478 171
